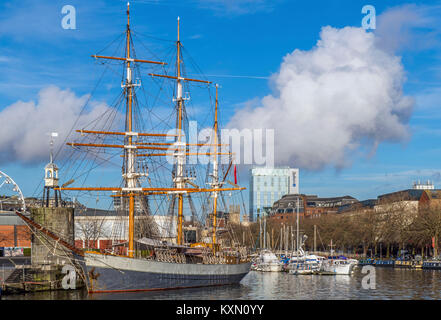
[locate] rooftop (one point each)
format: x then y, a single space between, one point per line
403 195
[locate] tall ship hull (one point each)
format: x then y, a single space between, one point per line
108 273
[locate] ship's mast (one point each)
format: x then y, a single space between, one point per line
298 234
130 174
215 182
179 179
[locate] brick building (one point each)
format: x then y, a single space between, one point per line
13 232
308 206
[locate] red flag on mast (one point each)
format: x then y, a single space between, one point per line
235 175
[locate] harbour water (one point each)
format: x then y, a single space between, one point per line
390 284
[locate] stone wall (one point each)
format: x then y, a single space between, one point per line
61 222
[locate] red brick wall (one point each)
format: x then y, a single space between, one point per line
79 243
103 245
310 211
23 237
284 216
314 211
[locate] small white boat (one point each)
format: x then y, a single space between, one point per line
303 263
267 262
354 262
303 268
307 262
337 266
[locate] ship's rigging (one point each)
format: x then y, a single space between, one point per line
149 183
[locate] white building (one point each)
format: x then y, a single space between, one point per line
268 185
423 186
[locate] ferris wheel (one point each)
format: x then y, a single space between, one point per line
9 190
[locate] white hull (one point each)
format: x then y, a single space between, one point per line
268 267
338 267
303 271
303 268
267 262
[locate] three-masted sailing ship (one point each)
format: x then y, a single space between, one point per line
127 271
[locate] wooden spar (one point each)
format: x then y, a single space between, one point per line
228 170
129 146
233 184
187 154
173 190
211 190
141 134
178 78
188 190
154 143
144 193
125 59
89 188
171 143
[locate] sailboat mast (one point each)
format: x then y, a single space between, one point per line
264 230
298 238
130 164
180 182
215 183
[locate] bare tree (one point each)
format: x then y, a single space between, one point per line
90 230
427 225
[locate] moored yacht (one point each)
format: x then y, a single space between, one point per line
304 263
338 265
267 262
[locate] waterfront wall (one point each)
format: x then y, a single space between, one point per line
60 221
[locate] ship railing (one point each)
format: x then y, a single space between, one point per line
172 255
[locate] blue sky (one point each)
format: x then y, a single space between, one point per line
246 39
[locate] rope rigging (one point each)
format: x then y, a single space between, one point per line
152 112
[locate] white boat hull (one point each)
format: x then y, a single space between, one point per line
268 267
338 268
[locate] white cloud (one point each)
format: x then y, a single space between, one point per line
410 27
25 126
341 97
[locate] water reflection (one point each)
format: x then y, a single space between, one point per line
391 283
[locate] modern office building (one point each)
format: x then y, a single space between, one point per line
267 185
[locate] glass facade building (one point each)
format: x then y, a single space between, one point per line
268 185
